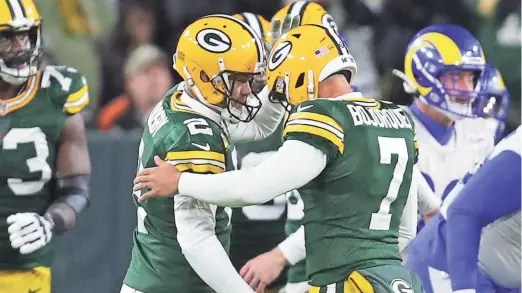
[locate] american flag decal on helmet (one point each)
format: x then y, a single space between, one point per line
321 51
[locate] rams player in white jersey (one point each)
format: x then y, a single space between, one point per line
442 68
473 245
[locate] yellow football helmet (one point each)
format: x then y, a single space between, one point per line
309 13
258 23
304 57
20 40
219 46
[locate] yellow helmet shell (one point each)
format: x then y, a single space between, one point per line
257 22
214 45
304 57
18 14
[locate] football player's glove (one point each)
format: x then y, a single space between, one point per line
259 81
29 232
278 29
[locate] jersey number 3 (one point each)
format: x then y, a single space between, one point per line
37 163
381 220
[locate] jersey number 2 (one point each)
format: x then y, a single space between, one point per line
38 163
381 220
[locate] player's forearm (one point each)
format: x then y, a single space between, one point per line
428 202
491 193
264 123
200 246
292 166
463 245
293 247
408 224
71 200
211 263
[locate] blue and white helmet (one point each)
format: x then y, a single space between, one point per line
440 49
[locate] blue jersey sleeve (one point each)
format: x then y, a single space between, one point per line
493 192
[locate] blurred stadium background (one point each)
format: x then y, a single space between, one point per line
124 49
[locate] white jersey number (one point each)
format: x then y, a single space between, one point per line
141 211
266 212
295 206
198 126
37 137
388 146
50 71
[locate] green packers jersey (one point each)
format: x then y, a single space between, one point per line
193 143
353 208
257 229
294 220
30 131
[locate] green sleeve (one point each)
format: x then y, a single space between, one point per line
310 122
196 146
67 87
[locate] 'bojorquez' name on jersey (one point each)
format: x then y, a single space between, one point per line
386 118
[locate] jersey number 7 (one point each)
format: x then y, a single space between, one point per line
381 220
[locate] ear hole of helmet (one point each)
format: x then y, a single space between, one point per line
300 80
203 76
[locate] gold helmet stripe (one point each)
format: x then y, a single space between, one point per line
22 8
253 21
16 9
259 46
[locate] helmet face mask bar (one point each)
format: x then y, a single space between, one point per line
20 53
493 97
225 83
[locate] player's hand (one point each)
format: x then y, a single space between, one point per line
162 180
279 28
29 232
259 82
263 269
428 216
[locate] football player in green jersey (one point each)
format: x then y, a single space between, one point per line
268 265
256 229
44 161
350 158
181 244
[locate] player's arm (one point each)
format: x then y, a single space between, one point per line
264 123
73 163
293 247
292 166
428 202
311 140
73 176
266 267
491 193
408 221
30 231
195 222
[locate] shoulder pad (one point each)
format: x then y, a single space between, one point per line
67 88
509 143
